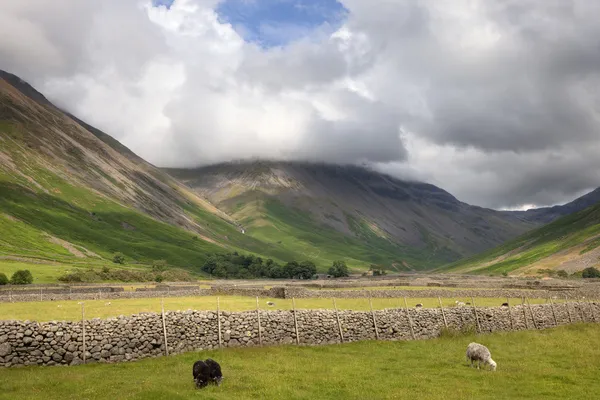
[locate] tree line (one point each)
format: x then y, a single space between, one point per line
239 266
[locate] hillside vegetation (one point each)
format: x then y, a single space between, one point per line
72 196
333 211
570 243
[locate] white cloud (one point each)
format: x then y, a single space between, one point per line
496 102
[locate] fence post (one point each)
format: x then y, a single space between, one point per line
41 295
373 316
476 316
553 313
412 331
568 310
258 318
10 295
219 322
524 312
337 317
443 315
83 328
591 307
164 324
512 325
295 321
531 312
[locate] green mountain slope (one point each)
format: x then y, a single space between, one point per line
75 196
570 243
331 211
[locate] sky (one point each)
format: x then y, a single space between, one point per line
497 102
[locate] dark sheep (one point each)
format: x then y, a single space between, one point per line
504 304
207 371
419 305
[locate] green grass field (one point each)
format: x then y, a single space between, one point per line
71 310
561 363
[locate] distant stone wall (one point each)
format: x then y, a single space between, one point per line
20 295
299 293
140 336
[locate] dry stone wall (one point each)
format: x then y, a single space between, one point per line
9 295
140 336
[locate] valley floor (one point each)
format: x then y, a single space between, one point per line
559 363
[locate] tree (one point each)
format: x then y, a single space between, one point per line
119 258
3 279
22 277
590 272
339 269
307 269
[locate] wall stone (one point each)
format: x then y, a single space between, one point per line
141 335
56 294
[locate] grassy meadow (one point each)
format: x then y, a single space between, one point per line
560 363
71 310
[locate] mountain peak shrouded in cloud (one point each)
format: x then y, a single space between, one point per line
497 102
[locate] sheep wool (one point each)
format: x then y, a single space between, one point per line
481 354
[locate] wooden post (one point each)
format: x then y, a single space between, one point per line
164 324
83 329
295 321
374 322
512 325
337 317
568 311
443 315
531 312
412 331
258 318
524 312
591 310
41 295
553 313
10 295
476 316
219 322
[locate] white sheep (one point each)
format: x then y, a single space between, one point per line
107 304
270 303
459 303
481 354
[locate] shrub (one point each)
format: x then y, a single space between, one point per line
22 277
3 279
119 258
159 265
158 279
590 272
504 274
562 273
105 269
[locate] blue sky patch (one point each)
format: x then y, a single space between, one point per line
166 3
271 23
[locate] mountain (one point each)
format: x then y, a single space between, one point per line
549 214
570 243
351 212
71 193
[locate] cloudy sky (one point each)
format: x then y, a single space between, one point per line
497 102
